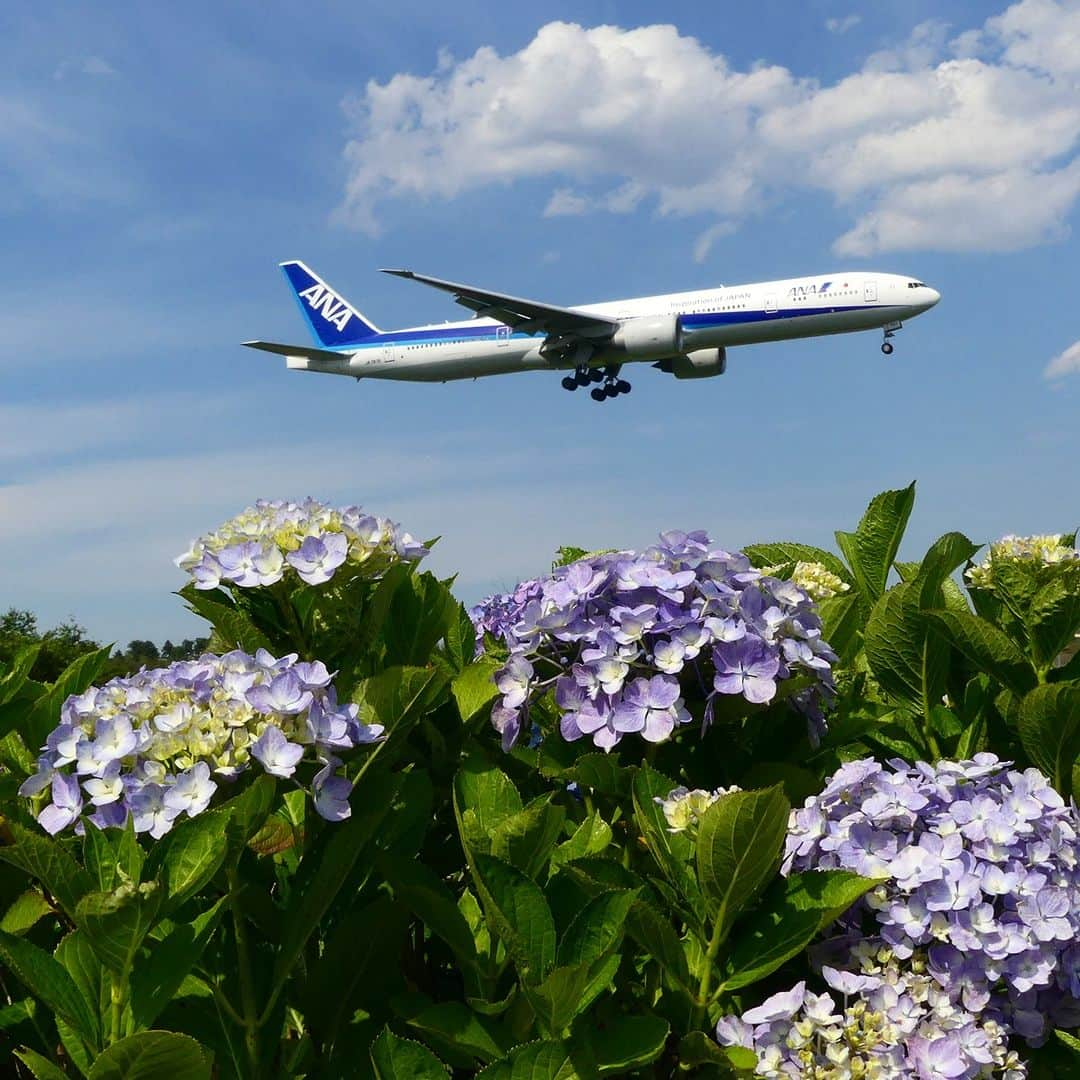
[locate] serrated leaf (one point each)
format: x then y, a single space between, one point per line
765 942
651 929
188 857
41 1068
591 837
456 1025
151 1055
673 852
542 1060
841 621
1053 620
602 773
596 929
156 977
988 648
25 911
786 551
626 1043
484 797
116 922
871 549
740 841
1049 727
525 839
474 687
47 860
828 892
519 914
394 1058
48 982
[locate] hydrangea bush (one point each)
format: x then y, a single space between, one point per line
597 826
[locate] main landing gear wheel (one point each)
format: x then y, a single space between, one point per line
623 386
598 393
887 348
569 383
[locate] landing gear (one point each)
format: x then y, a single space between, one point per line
890 329
612 386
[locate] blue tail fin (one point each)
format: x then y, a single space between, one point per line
334 322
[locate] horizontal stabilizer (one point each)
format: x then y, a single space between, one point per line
306 351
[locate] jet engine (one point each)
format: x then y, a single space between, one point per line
699 364
649 336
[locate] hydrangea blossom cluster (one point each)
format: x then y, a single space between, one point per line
149 746
615 633
816 580
1047 550
272 538
499 614
982 872
684 807
893 1023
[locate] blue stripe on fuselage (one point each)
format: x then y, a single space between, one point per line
704 320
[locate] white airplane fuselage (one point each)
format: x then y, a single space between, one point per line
714 318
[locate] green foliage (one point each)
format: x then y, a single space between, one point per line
528 915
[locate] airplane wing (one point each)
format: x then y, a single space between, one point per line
307 351
528 316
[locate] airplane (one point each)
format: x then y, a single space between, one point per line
686 335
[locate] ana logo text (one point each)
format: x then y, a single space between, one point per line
801 292
332 308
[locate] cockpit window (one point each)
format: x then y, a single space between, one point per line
916 284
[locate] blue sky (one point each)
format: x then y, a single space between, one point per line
158 162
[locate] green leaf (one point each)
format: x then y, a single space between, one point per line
828 892
330 866
151 1055
1071 1041
591 837
841 620
475 687
49 982
597 928
421 614
93 982
653 931
232 627
535 1061
1053 620
242 817
672 851
394 1058
698 1049
358 969
116 922
988 648
625 1043
74 679
397 698
525 839
484 797
740 841
764 942
25 911
47 859
519 914
157 976
908 660
189 856
786 551
1049 726
602 773
460 639
455 1025
40 1067
871 549
422 891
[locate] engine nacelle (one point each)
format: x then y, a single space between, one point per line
649 336
699 364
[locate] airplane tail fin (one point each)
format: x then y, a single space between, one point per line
334 322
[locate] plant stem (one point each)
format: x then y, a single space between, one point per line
116 997
250 1018
711 953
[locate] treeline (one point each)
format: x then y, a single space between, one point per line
66 642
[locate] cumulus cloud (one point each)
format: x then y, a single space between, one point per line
961 143
1065 363
842 24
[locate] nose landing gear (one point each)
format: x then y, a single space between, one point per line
890 329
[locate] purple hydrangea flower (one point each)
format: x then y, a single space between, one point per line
616 635
155 745
258 547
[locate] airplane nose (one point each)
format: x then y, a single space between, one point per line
933 296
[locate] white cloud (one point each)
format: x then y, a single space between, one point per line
948 135
842 24
704 243
1065 363
88 65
